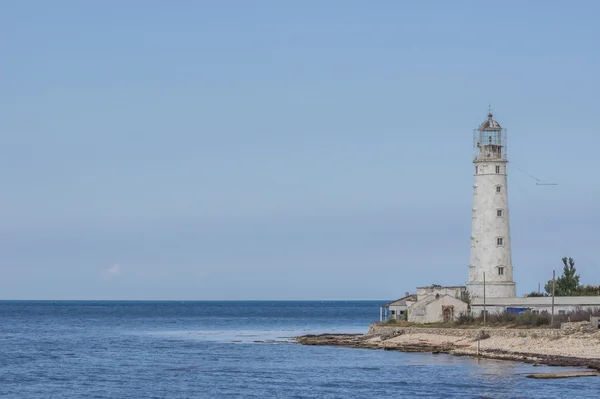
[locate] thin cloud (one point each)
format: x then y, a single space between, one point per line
114 270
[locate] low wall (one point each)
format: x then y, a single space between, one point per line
375 329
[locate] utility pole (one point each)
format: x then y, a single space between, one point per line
553 285
484 307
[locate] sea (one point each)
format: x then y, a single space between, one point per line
235 349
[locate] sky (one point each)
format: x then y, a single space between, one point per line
287 150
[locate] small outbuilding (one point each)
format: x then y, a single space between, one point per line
437 308
398 309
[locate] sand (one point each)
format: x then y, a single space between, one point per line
576 344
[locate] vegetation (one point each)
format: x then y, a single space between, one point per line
536 294
466 297
568 283
587 290
506 319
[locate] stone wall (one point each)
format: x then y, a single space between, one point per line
375 329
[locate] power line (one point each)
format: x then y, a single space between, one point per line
522 189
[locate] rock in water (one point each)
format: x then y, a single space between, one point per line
569 374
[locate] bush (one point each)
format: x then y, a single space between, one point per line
542 319
536 294
524 319
465 318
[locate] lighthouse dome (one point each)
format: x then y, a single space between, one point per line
490 124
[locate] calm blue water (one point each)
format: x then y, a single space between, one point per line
207 350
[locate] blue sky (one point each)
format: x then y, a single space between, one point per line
287 150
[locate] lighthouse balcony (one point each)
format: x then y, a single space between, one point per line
489 157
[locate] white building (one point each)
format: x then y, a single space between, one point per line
397 310
562 304
436 303
439 308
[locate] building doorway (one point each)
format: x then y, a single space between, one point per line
448 314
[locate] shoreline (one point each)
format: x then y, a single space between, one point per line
574 345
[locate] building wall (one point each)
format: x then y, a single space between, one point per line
558 309
574 301
397 312
432 312
541 304
486 254
453 291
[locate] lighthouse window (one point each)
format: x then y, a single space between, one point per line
501 271
499 213
498 189
497 169
476 169
500 241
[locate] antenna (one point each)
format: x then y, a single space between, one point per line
538 182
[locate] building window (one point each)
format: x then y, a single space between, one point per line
497 168
402 312
499 241
498 189
476 169
499 213
500 271
393 312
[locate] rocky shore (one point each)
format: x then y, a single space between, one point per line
575 344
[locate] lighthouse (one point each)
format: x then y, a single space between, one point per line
490 259
490 284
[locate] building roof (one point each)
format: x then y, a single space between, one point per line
402 301
540 301
490 124
443 286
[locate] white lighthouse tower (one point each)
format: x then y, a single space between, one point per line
490 233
